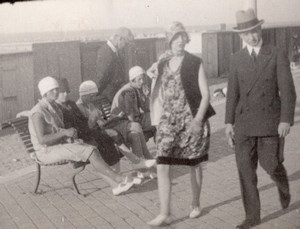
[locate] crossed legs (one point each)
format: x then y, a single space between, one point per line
111 177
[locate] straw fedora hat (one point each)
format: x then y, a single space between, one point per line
246 21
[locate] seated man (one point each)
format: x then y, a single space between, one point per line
132 101
131 132
73 117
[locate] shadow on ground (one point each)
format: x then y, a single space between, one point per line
293 206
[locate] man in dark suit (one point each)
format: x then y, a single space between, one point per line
260 109
110 65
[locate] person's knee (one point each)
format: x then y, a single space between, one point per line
272 168
135 127
132 136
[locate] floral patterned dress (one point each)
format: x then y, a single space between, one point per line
174 144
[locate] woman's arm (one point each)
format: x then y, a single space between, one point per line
152 71
197 122
49 139
204 90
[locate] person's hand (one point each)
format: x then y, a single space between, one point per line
100 123
71 133
111 132
283 129
152 72
94 116
146 90
195 127
230 134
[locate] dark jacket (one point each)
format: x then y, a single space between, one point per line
189 77
261 95
110 72
73 118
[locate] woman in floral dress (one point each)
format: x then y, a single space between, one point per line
180 109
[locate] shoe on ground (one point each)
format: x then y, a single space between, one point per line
137 180
152 176
144 175
195 213
123 187
140 175
285 199
150 163
246 224
160 220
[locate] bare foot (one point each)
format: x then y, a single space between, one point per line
160 220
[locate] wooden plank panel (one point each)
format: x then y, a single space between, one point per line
210 54
88 56
60 60
225 49
16 79
8 77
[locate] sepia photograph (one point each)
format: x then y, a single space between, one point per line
133 114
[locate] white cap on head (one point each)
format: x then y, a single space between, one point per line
47 84
135 71
88 87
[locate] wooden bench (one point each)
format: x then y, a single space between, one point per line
20 125
104 105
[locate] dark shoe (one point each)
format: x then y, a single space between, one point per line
248 224
285 199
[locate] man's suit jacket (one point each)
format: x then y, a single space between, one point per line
260 95
110 72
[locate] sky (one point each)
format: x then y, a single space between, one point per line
64 15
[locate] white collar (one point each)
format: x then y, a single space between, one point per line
256 48
111 45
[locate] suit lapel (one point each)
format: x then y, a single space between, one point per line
264 57
249 68
262 60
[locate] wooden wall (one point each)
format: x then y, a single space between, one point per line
60 60
16 84
74 60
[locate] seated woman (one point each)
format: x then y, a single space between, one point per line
131 132
52 142
72 117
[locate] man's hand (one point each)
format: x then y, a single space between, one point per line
230 134
283 129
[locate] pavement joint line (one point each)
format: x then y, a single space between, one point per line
16 174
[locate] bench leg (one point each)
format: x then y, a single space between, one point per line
73 178
38 177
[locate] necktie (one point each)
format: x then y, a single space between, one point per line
253 56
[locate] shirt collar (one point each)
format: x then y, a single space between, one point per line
113 48
256 48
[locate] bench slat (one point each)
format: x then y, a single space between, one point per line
20 125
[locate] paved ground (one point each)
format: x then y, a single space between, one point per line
59 207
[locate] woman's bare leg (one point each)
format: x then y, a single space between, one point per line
111 177
116 167
196 184
136 146
164 190
128 154
146 152
137 161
